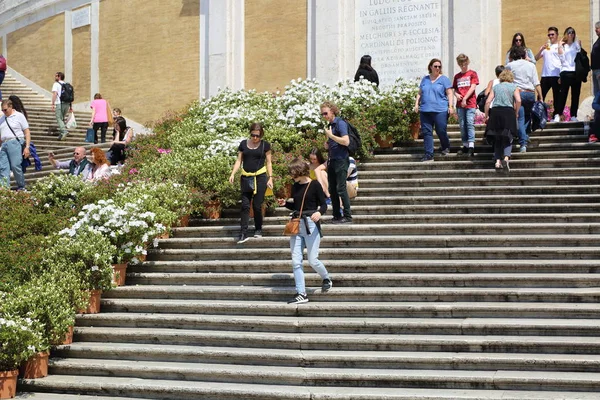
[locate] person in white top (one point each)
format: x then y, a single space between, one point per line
567 51
551 69
60 110
14 134
99 168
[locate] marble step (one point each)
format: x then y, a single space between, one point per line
588 160
186 390
353 294
391 181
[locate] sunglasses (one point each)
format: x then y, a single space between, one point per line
254 135
437 66
4 109
570 33
551 34
518 40
324 113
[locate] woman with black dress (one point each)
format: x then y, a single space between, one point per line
124 135
366 71
309 197
253 154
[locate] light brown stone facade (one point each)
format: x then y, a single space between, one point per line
532 18
275 45
81 81
149 64
37 50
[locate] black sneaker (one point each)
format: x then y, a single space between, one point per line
463 151
243 238
327 284
427 159
346 220
258 233
471 152
298 298
445 152
337 220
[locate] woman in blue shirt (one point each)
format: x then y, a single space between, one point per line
434 101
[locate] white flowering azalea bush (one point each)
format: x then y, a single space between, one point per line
57 190
128 227
19 340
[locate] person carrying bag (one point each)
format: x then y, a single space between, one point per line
304 228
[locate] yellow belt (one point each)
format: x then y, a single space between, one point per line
261 171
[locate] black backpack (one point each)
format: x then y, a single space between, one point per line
539 115
481 99
355 141
582 66
67 95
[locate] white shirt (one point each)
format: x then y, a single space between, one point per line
552 62
56 87
568 57
17 122
525 73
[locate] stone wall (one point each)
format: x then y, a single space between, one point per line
37 50
81 81
149 65
275 43
532 19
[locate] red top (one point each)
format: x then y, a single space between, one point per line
462 83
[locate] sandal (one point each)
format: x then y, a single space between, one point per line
505 166
498 166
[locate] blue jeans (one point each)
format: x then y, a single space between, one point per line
596 80
11 157
439 121
312 241
527 100
466 120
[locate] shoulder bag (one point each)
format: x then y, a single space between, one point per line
16 137
292 227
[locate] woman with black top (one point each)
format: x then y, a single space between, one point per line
366 71
253 154
124 135
308 196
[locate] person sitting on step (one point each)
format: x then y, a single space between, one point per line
76 166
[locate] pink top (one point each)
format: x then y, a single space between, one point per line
100 105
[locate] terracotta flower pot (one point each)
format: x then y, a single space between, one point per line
384 143
93 304
68 336
36 366
212 210
164 235
415 130
141 257
184 221
8 384
119 272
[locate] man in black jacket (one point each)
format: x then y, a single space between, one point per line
596 61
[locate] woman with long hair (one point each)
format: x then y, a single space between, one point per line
123 137
519 41
308 205
568 48
366 71
99 167
18 105
434 102
254 158
502 118
318 169
100 110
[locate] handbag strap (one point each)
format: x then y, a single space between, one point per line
303 197
10 127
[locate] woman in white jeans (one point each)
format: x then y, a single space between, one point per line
309 205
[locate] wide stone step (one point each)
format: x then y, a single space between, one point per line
184 390
468 174
367 279
334 266
356 309
492 200
475 184
367 193
587 160
394 244
561 144
367 294
315 376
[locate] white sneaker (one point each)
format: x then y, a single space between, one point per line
557 118
573 119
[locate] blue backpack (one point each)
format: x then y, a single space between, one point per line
539 115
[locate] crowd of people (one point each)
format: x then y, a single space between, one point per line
510 98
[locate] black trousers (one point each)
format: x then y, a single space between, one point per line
568 80
103 126
117 153
551 82
257 201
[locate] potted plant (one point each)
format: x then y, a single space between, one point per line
19 340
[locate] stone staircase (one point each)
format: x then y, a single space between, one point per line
453 282
43 128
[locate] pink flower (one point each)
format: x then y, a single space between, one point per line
133 171
164 151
